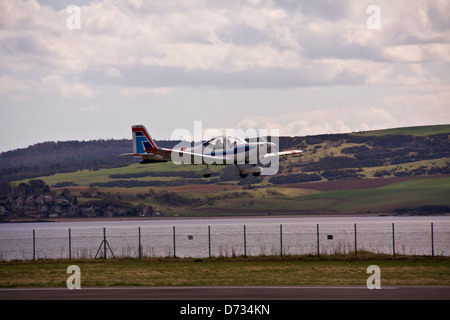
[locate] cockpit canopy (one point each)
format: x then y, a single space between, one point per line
224 142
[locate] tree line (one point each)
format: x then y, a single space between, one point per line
49 158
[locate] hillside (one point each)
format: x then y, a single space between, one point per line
381 148
394 171
361 155
49 158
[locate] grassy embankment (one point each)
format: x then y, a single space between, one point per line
265 270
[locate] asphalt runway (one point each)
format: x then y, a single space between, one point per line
232 293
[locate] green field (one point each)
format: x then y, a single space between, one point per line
412 193
292 270
85 177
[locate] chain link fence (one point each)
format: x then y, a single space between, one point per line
223 240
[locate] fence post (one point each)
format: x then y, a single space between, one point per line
281 240
70 245
34 245
209 241
393 240
174 248
104 243
432 241
356 243
245 243
317 239
140 248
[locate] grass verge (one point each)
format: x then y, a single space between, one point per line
263 270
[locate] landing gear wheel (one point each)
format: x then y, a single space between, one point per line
206 172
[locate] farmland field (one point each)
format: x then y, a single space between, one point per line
377 196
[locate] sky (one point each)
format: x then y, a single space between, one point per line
300 67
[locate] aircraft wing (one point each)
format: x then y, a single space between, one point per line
282 153
199 158
164 154
189 157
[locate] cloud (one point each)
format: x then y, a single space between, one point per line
13 88
143 91
429 107
129 51
405 108
320 121
433 52
68 88
320 43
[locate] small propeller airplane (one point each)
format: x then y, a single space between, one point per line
221 150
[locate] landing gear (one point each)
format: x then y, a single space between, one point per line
206 172
255 170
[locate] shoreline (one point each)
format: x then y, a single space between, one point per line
315 215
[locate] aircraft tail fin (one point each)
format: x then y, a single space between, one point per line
142 141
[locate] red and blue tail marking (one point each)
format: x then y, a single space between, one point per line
142 141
